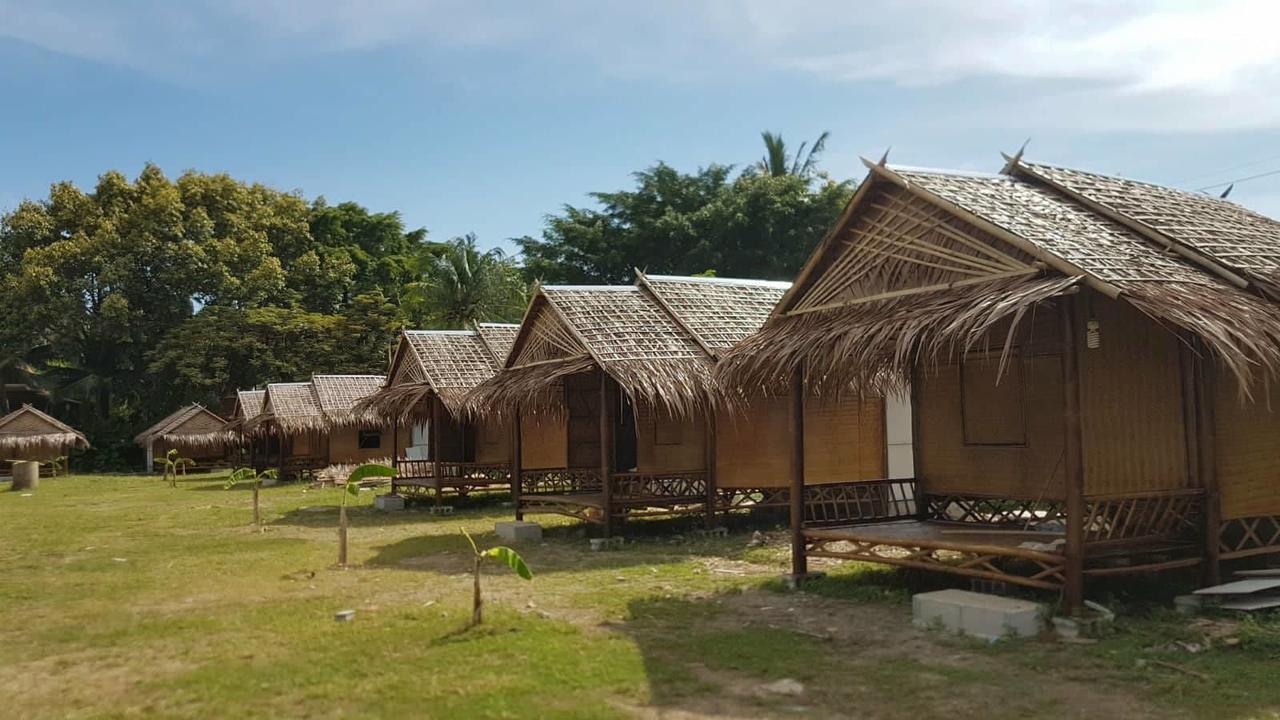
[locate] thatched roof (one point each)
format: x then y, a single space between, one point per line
186 421
248 404
498 338
1228 239
445 363
657 339
289 409
718 312
924 263
338 396
27 430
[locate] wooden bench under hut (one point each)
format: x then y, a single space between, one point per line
450 451
29 434
193 430
1090 362
616 411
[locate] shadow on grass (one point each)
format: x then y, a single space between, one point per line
565 548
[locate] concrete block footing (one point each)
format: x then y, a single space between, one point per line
518 530
988 617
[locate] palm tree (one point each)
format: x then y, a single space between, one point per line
460 285
777 162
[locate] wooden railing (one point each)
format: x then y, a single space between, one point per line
560 481
665 487
415 469
1002 512
1143 517
452 471
859 501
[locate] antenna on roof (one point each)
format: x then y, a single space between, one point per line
1011 162
884 159
1227 192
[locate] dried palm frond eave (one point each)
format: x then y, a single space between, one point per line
410 401
874 347
40 442
683 387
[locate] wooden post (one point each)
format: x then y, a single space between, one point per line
516 469
1073 456
433 442
921 490
710 466
606 452
395 450
799 563
1206 441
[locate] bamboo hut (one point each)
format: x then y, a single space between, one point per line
188 430
29 434
616 411
1090 363
316 424
447 449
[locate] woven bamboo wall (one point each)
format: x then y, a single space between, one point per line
493 441
344 446
753 449
582 396
844 440
1030 470
1246 437
543 442
665 443
1131 403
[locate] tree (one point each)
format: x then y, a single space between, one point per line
500 553
459 285
254 479
777 162
751 226
352 489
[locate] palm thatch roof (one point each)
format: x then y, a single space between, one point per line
718 312
338 396
446 364
1228 239
925 263
657 339
288 409
498 338
28 430
185 426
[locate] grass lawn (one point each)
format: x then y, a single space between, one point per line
122 597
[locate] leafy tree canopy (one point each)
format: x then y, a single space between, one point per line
760 224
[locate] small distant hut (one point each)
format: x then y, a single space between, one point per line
1092 366
193 430
315 424
617 413
447 448
29 434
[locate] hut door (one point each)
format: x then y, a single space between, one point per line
582 395
624 436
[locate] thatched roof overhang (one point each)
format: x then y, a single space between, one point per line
27 430
925 263
621 330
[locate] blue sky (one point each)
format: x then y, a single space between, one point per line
486 116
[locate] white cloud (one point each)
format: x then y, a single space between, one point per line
1083 64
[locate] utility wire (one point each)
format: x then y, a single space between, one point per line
1237 166
1238 180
